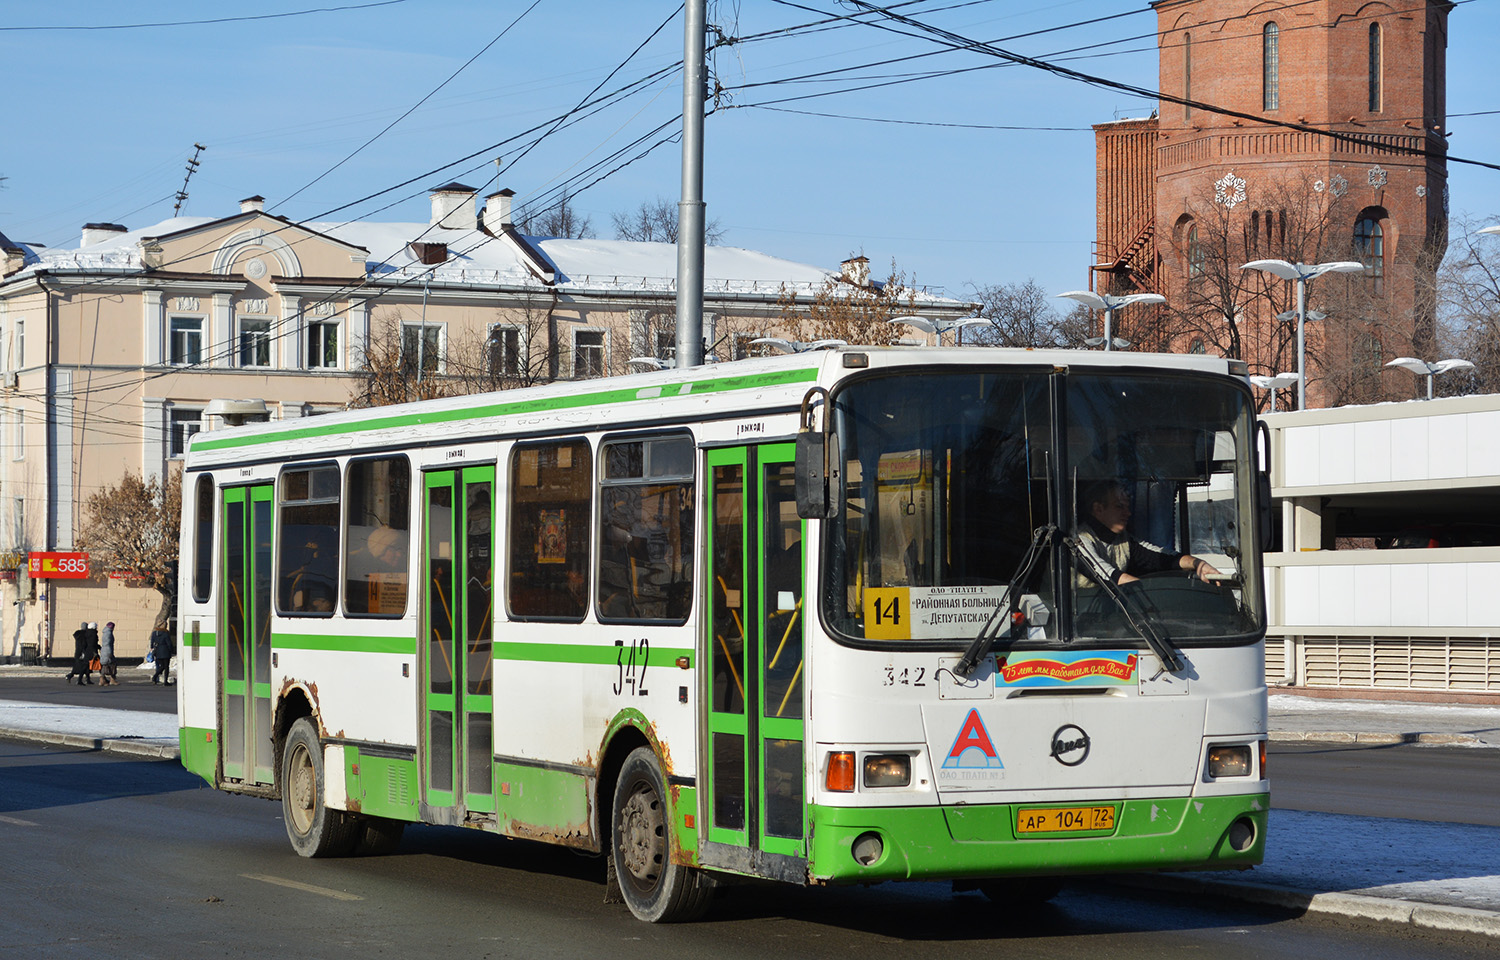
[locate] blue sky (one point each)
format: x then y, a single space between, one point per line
102 121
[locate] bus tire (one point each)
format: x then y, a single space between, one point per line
315 830
1020 891
654 888
379 836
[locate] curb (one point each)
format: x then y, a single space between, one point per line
130 746
1341 736
1356 906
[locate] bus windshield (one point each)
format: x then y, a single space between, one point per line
1144 516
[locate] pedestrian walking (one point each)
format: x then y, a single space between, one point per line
162 649
107 668
84 650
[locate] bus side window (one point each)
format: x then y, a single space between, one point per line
646 529
551 486
309 549
377 554
203 538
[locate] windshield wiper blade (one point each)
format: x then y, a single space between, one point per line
1171 660
985 640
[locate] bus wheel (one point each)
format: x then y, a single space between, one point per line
655 889
315 830
1021 891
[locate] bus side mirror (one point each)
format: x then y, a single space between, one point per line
812 476
812 480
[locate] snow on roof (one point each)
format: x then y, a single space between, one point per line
478 258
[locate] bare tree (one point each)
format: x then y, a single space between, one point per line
656 221
406 361
854 313
1024 315
559 219
1468 301
132 527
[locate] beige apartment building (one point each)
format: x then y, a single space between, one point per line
111 352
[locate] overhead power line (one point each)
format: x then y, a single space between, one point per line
195 23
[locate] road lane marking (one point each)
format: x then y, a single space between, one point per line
307 887
17 821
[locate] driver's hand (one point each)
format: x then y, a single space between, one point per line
1203 570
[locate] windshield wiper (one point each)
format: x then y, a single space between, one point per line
1144 628
985 640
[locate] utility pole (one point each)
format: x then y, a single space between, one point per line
192 168
690 215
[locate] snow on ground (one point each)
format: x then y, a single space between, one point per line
97 722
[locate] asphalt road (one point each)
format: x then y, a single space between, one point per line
105 856
1445 784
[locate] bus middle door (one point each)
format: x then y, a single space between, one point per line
455 654
245 663
754 807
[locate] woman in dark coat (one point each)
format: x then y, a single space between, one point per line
85 649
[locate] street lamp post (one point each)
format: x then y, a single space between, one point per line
1109 303
1302 273
1430 370
1273 384
941 327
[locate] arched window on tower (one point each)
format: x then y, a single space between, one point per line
1375 67
1369 246
1271 67
1187 74
1196 253
1254 230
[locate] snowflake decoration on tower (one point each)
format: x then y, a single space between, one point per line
1319 186
1421 190
1339 185
1377 176
1229 190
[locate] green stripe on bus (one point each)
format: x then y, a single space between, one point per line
587 653
514 408
360 644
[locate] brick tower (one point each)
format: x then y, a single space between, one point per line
1189 195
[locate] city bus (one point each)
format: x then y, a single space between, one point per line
825 618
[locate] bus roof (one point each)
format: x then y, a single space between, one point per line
712 391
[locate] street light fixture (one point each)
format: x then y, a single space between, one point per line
1302 273
1430 370
797 346
941 327
1495 229
1273 384
1109 303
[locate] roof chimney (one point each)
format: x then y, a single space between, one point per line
497 209
99 232
256 204
453 207
856 270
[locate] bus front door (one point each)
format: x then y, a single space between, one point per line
456 661
245 661
754 802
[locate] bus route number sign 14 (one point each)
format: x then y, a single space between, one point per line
929 613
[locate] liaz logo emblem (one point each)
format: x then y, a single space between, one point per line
973 749
1070 745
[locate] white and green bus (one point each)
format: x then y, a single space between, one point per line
826 618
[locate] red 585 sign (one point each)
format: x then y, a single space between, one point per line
58 566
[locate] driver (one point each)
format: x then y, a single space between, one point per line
1104 515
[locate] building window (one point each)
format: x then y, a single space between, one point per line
1369 249
255 342
187 340
1196 253
1187 74
503 351
1375 91
182 424
664 340
588 354
1271 67
421 347
323 345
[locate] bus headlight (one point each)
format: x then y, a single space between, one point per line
887 770
1226 761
